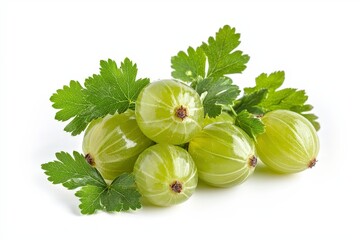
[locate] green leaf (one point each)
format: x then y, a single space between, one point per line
77 125
252 125
90 198
256 101
251 101
219 92
71 100
302 108
275 99
115 89
121 195
123 190
218 54
222 58
270 82
313 119
72 172
95 193
190 66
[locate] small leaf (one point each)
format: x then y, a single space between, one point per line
70 100
90 198
313 119
123 189
252 125
250 102
121 195
219 92
288 98
188 67
72 172
270 82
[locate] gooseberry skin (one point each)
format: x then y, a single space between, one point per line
169 111
224 154
113 143
223 117
290 143
165 175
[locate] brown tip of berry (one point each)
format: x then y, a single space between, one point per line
312 163
176 186
252 161
181 112
90 160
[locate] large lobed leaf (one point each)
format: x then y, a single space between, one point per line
265 96
95 194
218 53
115 89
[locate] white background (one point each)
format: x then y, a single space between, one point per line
45 44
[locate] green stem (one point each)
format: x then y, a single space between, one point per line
233 111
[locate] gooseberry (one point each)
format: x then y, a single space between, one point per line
113 143
169 111
224 154
290 143
165 175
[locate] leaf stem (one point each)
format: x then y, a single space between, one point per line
233 111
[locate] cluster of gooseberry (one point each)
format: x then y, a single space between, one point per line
168 144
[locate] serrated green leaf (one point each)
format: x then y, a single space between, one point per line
121 195
251 101
95 193
293 100
252 125
302 108
189 66
219 92
219 54
274 99
313 119
298 98
270 82
71 100
77 125
90 198
287 99
222 58
72 172
113 90
123 190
